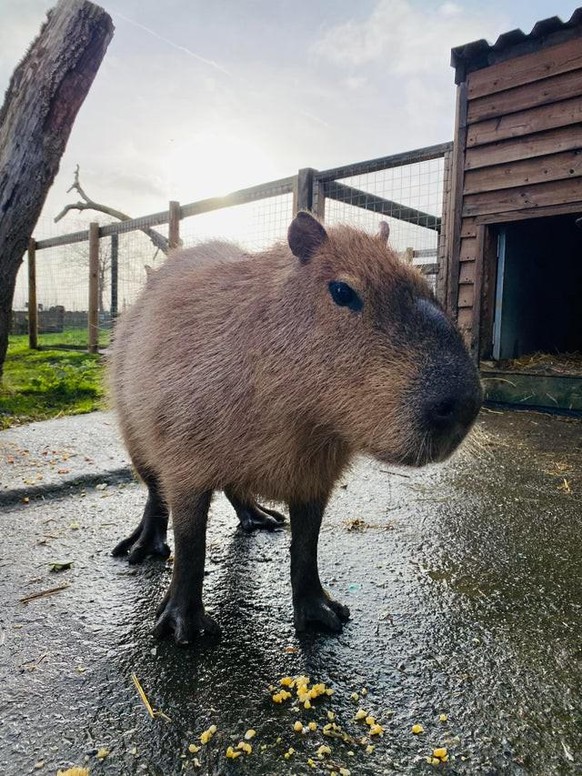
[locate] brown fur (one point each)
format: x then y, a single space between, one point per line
244 371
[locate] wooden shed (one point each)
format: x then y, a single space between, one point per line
514 272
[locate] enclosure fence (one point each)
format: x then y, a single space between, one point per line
75 284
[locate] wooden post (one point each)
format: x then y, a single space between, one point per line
444 244
408 255
114 274
303 194
174 226
32 303
318 205
456 211
93 315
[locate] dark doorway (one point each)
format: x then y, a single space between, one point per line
538 304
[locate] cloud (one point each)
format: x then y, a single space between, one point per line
404 38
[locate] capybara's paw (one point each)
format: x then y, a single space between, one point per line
139 546
186 623
320 612
256 517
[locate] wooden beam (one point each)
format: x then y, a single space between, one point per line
535 196
526 69
524 172
363 199
526 122
530 212
551 142
385 162
554 89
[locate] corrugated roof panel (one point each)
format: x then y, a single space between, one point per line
479 53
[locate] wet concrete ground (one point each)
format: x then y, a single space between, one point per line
464 583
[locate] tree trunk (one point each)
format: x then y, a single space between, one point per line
42 101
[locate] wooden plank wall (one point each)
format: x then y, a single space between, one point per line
521 155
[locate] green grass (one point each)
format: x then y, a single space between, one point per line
42 384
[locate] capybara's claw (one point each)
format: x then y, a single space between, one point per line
256 517
141 544
320 612
140 551
186 624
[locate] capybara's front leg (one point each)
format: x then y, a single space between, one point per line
312 606
182 612
254 516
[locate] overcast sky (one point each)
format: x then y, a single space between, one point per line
196 98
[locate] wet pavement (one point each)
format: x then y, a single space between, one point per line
464 583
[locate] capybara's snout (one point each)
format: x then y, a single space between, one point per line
447 398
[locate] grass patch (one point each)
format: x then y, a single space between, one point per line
46 383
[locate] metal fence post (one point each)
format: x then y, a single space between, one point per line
93 316
32 304
174 225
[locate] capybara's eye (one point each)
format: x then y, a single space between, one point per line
344 295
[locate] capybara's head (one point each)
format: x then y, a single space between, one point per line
392 374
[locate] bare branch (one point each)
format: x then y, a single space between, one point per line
157 239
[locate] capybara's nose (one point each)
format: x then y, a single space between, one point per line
452 412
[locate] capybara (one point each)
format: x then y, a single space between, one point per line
262 375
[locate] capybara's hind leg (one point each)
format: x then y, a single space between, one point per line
312 606
149 538
253 516
181 611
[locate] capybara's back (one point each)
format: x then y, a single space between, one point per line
262 375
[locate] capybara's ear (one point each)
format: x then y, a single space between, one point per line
305 236
384 231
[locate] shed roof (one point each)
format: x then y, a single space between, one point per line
479 53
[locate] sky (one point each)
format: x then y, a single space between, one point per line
196 98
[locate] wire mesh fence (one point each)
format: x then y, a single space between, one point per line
406 190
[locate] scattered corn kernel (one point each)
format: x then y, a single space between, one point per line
323 751
244 747
298 727
102 753
311 763
355 697
433 761
440 752
206 735
376 730
364 691
370 720
193 748
287 681
307 704
289 753
312 725
330 715
361 714
370 748
329 691
74 772
345 772
416 729
250 734
231 754
443 718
